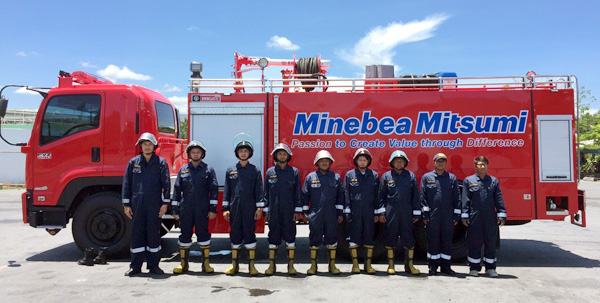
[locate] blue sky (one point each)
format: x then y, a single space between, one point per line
151 43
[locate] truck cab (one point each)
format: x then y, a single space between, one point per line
83 136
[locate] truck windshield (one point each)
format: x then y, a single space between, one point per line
69 114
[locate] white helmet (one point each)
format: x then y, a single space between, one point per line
147 137
197 144
323 154
284 147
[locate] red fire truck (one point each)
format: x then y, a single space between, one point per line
84 135
524 125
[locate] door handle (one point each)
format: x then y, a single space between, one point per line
95 154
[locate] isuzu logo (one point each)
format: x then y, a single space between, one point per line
206 98
44 156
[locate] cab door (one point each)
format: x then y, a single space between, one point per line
67 144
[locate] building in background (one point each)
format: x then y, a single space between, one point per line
16 127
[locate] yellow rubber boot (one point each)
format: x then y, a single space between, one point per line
272 268
206 259
332 269
291 255
235 266
390 256
354 254
409 267
184 266
313 261
368 268
251 257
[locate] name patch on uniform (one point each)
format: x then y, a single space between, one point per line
273 176
315 184
430 181
353 180
185 171
474 184
137 166
233 172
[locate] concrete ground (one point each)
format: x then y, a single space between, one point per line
543 261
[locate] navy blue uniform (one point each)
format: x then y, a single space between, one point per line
441 207
283 198
242 196
146 187
362 204
195 194
323 202
482 205
400 195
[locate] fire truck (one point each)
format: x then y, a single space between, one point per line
86 129
84 134
524 125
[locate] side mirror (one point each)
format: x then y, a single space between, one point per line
3 105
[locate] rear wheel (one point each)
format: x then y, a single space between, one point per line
100 222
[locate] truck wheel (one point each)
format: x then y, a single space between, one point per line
100 222
420 234
459 243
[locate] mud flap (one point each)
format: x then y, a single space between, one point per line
578 218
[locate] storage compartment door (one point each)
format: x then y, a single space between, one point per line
555 139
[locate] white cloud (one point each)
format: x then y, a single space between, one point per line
193 28
180 103
25 91
21 54
282 43
377 47
114 73
87 64
168 88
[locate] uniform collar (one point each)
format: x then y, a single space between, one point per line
202 165
444 175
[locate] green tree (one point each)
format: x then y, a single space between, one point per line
183 126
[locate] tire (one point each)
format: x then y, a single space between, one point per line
100 222
459 243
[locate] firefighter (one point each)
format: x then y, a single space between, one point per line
483 211
399 193
146 193
243 203
362 207
323 193
283 205
194 203
440 204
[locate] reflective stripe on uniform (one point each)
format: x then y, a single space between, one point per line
305 208
464 215
166 200
225 203
488 260
153 250
204 243
272 246
292 244
446 257
433 257
250 245
501 215
457 211
174 203
137 250
380 210
298 209
266 209
347 210
214 202
340 207
184 244
416 212
425 208
125 201
471 260
260 204
332 245
235 246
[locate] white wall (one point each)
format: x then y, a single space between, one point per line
12 161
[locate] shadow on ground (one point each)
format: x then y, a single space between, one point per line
514 253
